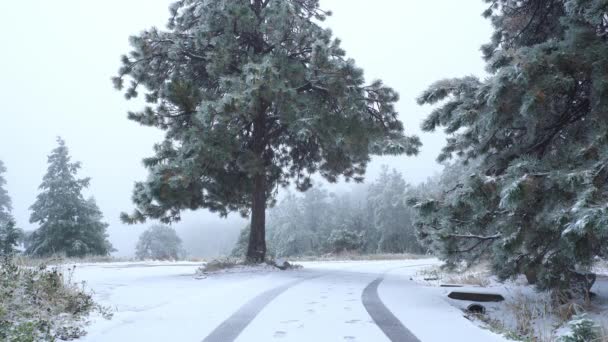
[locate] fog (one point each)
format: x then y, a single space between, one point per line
58 56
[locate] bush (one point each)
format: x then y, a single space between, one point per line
344 240
41 304
160 243
583 330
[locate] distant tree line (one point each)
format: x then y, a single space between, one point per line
372 218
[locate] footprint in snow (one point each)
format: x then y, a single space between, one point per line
353 321
279 334
350 338
290 321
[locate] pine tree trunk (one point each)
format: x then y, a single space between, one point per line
256 251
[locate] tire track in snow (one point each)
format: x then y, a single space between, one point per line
390 325
232 327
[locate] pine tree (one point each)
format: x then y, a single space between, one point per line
538 131
252 94
69 223
391 214
5 200
9 234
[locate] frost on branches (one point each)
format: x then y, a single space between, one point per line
252 95
536 131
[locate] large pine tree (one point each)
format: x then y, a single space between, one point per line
252 94
69 223
537 132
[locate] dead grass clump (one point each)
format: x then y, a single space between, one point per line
220 264
469 278
475 276
530 313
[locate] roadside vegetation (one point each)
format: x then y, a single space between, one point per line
43 304
526 314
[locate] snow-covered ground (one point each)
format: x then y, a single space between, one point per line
324 301
524 310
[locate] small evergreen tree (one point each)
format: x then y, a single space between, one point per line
9 234
537 130
253 95
69 224
159 242
582 329
9 239
5 200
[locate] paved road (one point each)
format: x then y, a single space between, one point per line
231 328
359 301
390 325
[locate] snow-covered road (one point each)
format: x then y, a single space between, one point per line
324 301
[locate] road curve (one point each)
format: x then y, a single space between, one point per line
390 325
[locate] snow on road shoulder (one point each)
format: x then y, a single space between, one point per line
426 310
525 313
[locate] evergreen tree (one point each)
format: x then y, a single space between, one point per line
391 214
537 129
69 223
253 94
5 200
159 242
9 239
344 240
9 234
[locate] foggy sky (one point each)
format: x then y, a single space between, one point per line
57 57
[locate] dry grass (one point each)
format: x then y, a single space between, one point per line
537 316
353 256
530 313
221 264
57 260
475 276
469 278
603 324
26 261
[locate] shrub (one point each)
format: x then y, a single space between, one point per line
41 304
343 240
583 329
160 243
